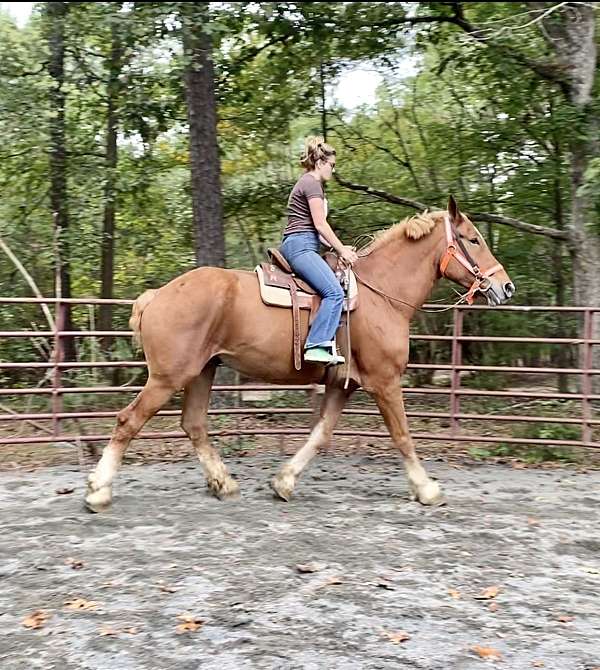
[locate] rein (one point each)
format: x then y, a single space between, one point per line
482 282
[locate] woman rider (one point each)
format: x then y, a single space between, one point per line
307 226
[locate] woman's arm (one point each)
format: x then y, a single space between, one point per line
317 211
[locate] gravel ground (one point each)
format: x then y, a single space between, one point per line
507 574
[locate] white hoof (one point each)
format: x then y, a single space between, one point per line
226 489
283 486
429 494
98 501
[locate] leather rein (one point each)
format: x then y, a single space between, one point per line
455 248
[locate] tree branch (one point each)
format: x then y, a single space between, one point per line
30 281
551 71
520 225
382 195
478 216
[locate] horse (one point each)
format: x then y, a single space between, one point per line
210 316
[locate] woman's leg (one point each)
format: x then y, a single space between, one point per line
313 269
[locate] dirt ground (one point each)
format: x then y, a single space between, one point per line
507 574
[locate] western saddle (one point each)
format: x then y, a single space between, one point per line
280 287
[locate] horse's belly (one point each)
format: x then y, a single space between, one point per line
274 372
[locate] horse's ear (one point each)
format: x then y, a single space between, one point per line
453 210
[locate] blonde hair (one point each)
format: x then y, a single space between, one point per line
315 150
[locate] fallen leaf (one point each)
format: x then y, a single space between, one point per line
486 652
81 604
332 581
385 584
63 491
75 563
190 623
454 593
107 630
493 607
489 593
35 620
131 630
166 588
108 585
310 567
396 638
565 618
538 664
532 521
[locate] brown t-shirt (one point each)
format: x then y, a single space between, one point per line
298 210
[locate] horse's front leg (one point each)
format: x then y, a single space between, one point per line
333 403
389 399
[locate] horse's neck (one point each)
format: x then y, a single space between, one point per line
404 269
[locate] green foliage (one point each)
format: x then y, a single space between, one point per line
535 453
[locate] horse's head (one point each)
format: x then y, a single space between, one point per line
469 262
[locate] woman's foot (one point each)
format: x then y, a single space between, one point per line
322 355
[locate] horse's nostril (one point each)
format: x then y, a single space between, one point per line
509 289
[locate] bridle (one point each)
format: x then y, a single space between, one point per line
482 282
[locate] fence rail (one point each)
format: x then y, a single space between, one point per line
57 390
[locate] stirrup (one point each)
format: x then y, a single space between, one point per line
322 355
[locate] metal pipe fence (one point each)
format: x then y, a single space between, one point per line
456 393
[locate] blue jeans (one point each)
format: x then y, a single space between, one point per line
301 250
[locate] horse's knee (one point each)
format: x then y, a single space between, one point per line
123 417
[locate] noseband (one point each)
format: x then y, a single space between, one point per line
482 282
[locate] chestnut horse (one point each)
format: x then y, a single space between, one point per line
211 315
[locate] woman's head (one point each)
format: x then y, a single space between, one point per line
318 157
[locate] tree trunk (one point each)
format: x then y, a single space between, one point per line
108 224
575 45
585 248
57 12
560 355
204 150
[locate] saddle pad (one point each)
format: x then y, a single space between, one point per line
280 297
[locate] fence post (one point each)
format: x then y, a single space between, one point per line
586 386
456 361
58 356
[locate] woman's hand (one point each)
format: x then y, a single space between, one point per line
348 255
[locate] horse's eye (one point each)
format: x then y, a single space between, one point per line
474 241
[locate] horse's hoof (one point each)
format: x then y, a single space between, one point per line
227 490
280 490
431 495
94 509
99 500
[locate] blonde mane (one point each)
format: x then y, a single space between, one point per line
412 227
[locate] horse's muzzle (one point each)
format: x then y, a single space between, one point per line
509 290
498 294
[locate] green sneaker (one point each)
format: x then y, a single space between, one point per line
321 355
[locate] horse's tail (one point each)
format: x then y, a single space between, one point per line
136 313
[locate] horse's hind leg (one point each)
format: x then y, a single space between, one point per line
333 403
194 421
129 422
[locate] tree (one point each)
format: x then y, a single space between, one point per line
204 150
57 13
